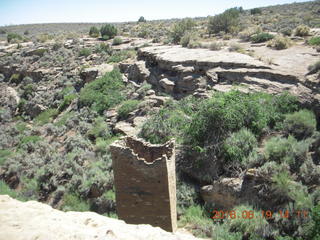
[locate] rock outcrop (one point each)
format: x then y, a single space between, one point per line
36 221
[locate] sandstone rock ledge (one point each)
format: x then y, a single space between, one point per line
33 220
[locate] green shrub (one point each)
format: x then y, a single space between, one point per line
222 231
314 68
185 40
314 224
300 124
100 129
170 122
108 31
94 32
67 100
72 202
239 145
15 78
84 52
234 110
225 22
201 224
29 139
286 31
287 150
142 19
46 116
117 41
103 93
6 190
261 37
119 56
28 90
180 28
280 43
14 37
248 226
102 47
4 154
64 118
314 41
127 107
302 30
255 11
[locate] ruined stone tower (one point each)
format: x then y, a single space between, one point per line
145 182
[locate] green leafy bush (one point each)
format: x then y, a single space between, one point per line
302 31
84 52
248 226
103 93
72 202
287 150
239 145
6 190
201 224
314 41
117 41
100 129
180 28
170 122
142 19
108 31
4 154
66 101
300 124
119 56
46 116
127 107
94 32
261 37
255 11
14 37
225 22
234 110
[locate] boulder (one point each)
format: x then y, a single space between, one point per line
91 73
9 98
125 128
33 109
224 193
167 85
138 72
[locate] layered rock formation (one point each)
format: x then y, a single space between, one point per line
180 71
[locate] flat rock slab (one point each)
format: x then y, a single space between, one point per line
179 55
33 220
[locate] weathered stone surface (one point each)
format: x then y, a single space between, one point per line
9 97
34 109
138 72
167 85
91 73
145 182
125 128
33 220
38 52
224 193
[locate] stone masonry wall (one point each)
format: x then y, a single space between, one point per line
145 182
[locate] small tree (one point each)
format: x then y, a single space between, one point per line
224 22
180 28
108 31
142 19
94 32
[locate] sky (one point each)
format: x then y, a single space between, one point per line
57 11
